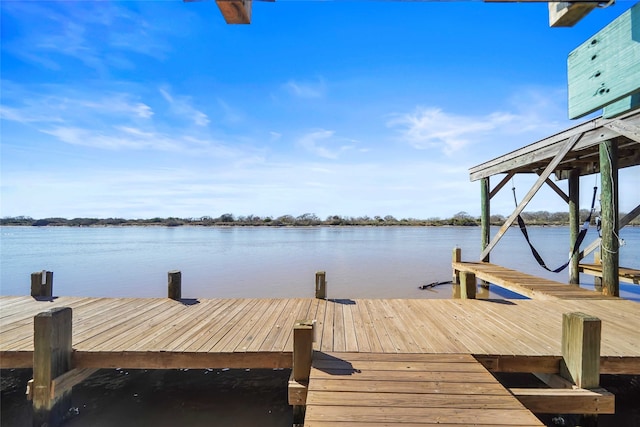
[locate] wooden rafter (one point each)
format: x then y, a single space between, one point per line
568 146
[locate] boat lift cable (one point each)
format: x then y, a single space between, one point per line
576 244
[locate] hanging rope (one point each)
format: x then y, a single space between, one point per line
576 245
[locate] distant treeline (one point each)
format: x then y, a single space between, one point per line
307 219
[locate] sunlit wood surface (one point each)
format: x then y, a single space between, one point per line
373 389
252 333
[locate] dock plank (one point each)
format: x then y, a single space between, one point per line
375 390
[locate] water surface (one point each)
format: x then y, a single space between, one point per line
361 262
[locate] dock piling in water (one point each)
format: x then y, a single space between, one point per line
321 285
175 285
456 256
40 287
467 285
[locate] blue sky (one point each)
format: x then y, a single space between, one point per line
158 108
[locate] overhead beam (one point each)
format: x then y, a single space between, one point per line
501 184
567 14
568 146
235 11
629 130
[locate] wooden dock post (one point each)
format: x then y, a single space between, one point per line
574 224
581 355
485 220
467 285
51 358
303 332
456 256
40 287
321 285
175 285
581 349
610 224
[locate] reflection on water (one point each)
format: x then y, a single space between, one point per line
361 262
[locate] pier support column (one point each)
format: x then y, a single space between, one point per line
467 285
610 224
175 285
303 332
321 285
456 256
580 363
574 224
485 220
51 358
42 284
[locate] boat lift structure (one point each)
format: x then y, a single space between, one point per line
597 146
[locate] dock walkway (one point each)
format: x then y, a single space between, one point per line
436 340
526 284
160 333
373 389
626 274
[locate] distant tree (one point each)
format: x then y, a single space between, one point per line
226 218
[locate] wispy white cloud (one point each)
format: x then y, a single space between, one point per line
322 143
182 106
99 35
308 89
532 114
107 120
427 128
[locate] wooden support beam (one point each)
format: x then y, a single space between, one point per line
554 380
574 225
51 359
297 392
42 284
567 14
174 286
467 285
321 285
609 204
302 349
303 331
581 349
558 190
64 383
501 184
485 216
456 256
541 180
625 129
566 401
235 11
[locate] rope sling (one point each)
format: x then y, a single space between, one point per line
576 245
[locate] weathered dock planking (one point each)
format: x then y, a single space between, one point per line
628 275
526 284
160 333
373 389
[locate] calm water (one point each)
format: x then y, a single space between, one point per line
361 262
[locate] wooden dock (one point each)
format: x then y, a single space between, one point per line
628 275
526 284
493 335
160 333
372 389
